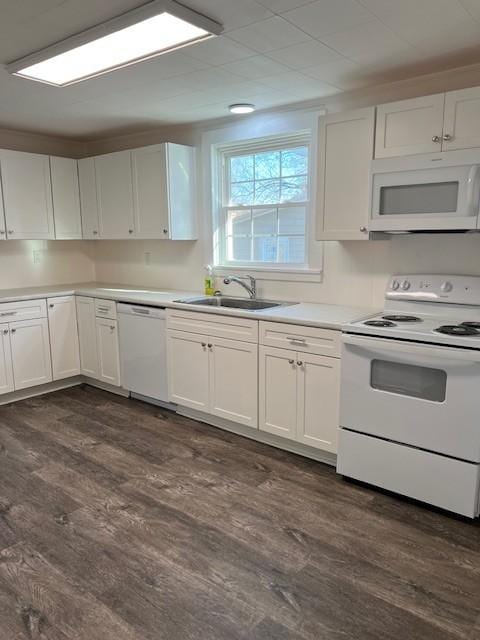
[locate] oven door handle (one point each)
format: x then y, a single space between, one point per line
406 348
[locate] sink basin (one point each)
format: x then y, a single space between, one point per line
233 303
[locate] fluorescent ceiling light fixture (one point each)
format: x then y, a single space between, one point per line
149 31
241 108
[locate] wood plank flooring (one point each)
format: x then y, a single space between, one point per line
121 521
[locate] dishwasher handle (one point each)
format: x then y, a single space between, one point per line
142 311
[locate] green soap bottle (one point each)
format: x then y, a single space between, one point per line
209 287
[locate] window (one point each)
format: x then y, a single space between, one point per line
265 194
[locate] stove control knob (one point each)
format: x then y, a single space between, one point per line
406 285
446 287
395 285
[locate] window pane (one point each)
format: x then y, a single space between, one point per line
241 193
241 168
294 161
291 249
265 222
267 192
239 248
265 249
239 223
291 221
267 165
294 189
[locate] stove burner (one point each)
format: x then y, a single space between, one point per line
402 318
458 330
472 325
379 323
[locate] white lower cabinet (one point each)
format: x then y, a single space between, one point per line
299 396
30 347
188 369
87 336
6 366
108 351
62 321
214 375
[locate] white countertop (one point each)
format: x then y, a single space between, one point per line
328 316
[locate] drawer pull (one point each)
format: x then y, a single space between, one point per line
299 363
8 313
5 331
291 362
294 339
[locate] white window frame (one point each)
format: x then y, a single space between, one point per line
246 148
262 128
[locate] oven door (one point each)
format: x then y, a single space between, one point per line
430 199
422 395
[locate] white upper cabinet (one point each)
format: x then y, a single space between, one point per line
62 321
113 176
66 198
410 126
345 151
461 128
27 195
163 187
88 198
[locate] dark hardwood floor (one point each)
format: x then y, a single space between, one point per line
120 521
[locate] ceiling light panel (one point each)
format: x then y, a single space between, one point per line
71 62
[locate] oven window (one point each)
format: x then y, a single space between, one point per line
409 380
408 199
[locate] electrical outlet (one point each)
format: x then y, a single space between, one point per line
147 256
37 257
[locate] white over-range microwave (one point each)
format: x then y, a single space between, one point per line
431 192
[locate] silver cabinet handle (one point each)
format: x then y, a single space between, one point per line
95 232
130 231
51 306
291 362
5 331
363 229
13 330
10 231
8 313
2 232
204 344
210 345
294 339
165 231
447 137
436 138
299 363
112 327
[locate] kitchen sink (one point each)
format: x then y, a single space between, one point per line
233 303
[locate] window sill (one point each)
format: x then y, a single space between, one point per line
282 274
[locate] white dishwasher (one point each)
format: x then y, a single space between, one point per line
143 350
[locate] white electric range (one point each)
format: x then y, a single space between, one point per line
410 400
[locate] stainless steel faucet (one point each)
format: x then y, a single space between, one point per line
251 289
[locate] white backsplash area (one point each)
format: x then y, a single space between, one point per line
32 263
355 273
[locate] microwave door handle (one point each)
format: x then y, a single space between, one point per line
473 190
378 345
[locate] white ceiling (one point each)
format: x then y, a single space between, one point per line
272 52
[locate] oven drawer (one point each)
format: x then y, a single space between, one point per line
23 310
444 482
105 309
322 342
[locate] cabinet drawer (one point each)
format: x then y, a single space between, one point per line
213 325
323 342
105 309
23 310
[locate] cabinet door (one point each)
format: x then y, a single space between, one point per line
409 126
30 353
6 370
182 199
3 229
66 198
87 336
27 195
150 192
62 323
233 376
345 153
188 370
278 392
461 128
108 354
88 198
113 175
318 401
